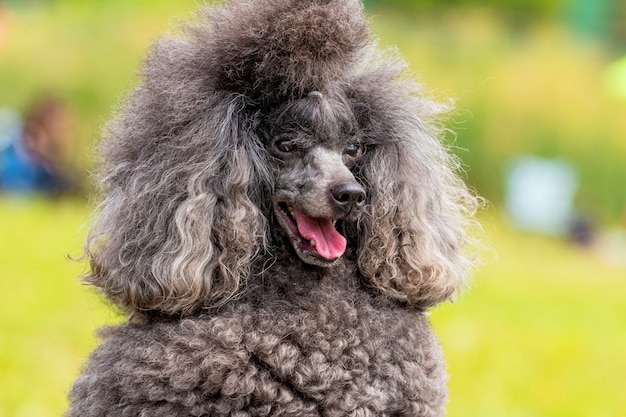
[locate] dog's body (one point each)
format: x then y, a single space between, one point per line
313 345
278 215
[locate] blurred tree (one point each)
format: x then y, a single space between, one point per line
591 18
516 9
4 23
620 27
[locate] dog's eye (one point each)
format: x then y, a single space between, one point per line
284 145
354 150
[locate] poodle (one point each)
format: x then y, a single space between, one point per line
278 215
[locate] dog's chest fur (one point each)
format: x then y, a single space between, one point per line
335 351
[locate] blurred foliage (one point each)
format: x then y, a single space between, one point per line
86 52
518 9
537 89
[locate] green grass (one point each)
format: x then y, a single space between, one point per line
540 332
47 318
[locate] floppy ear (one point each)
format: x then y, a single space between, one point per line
179 224
412 236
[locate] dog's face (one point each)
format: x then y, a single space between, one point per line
316 151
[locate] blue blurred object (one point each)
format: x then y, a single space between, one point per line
540 195
19 171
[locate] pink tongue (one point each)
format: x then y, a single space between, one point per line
328 242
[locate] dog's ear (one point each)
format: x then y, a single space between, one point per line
411 239
183 176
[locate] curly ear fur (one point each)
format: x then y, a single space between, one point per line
181 223
414 232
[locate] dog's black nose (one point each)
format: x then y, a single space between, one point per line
348 196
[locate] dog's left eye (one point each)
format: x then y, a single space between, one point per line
285 146
354 150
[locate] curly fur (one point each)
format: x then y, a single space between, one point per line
235 313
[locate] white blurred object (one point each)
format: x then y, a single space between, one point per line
540 195
612 247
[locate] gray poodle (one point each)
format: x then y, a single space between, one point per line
278 214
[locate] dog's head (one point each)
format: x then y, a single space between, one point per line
275 121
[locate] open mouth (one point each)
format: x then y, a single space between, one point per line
315 239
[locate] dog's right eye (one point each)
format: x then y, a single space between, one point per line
284 145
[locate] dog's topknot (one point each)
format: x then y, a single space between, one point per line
271 50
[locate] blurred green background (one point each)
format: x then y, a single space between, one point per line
541 332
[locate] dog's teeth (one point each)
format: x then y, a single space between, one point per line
312 242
